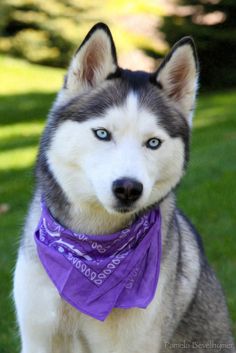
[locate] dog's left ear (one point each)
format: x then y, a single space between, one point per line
93 61
178 75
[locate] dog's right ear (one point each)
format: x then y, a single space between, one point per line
93 61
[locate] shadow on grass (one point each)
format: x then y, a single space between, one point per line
23 108
8 144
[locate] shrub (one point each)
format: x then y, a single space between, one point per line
212 25
43 32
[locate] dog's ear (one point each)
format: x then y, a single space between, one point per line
178 75
93 61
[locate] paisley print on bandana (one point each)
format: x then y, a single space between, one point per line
96 273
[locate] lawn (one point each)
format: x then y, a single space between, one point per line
207 194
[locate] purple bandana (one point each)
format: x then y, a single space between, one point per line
96 273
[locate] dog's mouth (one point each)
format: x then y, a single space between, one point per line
121 209
125 208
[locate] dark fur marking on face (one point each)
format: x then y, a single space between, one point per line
90 104
114 75
53 194
65 82
135 79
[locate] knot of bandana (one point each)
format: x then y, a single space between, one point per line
96 273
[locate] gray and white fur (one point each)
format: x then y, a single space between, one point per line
110 124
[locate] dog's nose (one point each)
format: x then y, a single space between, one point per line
127 190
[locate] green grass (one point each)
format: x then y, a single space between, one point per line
207 194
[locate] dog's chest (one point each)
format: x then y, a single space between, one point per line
123 331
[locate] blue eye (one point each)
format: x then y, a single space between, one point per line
153 143
102 134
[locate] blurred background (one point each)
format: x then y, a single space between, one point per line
37 39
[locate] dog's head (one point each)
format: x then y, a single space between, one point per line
118 138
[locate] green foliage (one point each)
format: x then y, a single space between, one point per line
44 32
212 25
207 193
47 32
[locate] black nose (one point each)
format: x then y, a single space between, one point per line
127 190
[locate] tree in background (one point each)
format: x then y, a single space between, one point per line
48 31
43 32
212 24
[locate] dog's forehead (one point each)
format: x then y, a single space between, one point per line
116 92
128 118
112 93
135 79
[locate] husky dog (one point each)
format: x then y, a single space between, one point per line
110 126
